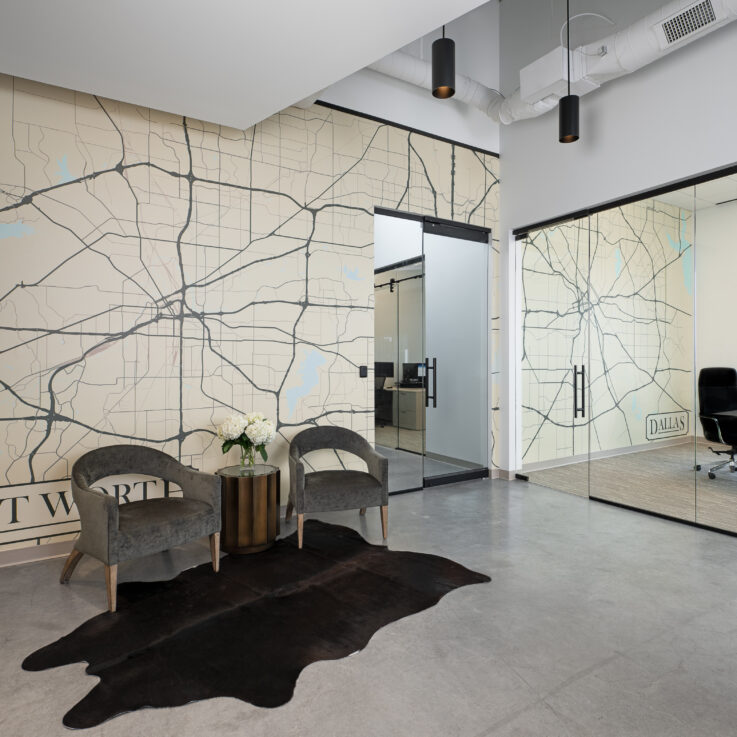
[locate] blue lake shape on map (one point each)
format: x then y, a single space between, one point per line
636 409
352 274
307 369
14 230
683 247
63 170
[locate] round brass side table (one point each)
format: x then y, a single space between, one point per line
250 508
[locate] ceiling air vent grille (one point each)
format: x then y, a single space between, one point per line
689 21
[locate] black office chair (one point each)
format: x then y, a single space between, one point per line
383 401
718 393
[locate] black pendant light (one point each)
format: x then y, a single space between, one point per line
443 67
568 105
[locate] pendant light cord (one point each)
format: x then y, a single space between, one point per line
443 31
568 41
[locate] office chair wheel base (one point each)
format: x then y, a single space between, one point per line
712 475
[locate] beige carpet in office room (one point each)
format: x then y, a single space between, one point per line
659 480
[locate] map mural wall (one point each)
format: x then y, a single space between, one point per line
160 272
613 292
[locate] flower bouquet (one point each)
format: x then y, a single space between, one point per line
252 432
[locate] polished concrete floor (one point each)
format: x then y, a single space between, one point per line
599 622
406 470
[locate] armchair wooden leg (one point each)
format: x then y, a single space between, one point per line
362 511
69 565
215 551
111 580
384 519
300 529
290 509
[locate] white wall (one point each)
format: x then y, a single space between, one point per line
716 266
671 120
477 55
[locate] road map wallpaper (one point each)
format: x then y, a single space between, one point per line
160 272
613 292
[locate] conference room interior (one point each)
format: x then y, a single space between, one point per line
624 319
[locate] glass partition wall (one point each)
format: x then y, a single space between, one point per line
628 372
608 364
555 348
715 270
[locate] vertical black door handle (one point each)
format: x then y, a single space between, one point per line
583 390
434 369
427 376
576 374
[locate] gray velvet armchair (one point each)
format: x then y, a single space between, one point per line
114 534
326 491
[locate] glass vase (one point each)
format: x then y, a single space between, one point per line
247 458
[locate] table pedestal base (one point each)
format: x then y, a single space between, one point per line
250 512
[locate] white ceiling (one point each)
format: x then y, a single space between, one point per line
233 62
703 195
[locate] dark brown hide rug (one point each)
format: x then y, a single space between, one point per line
248 631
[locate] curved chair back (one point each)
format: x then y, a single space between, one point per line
113 460
717 393
328 437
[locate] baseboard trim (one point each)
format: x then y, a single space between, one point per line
599 454
668 517
35 553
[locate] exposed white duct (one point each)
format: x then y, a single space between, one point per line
410 69
672 27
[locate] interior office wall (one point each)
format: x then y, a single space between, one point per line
716 267
615 292
159 273
477 55
398 323
410 322
657 125
385 327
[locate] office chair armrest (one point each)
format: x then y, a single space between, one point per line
709 418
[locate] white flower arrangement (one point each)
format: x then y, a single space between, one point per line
252 432
233 427
261 432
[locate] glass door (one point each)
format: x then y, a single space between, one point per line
556 364
456 263
642 328
398 377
